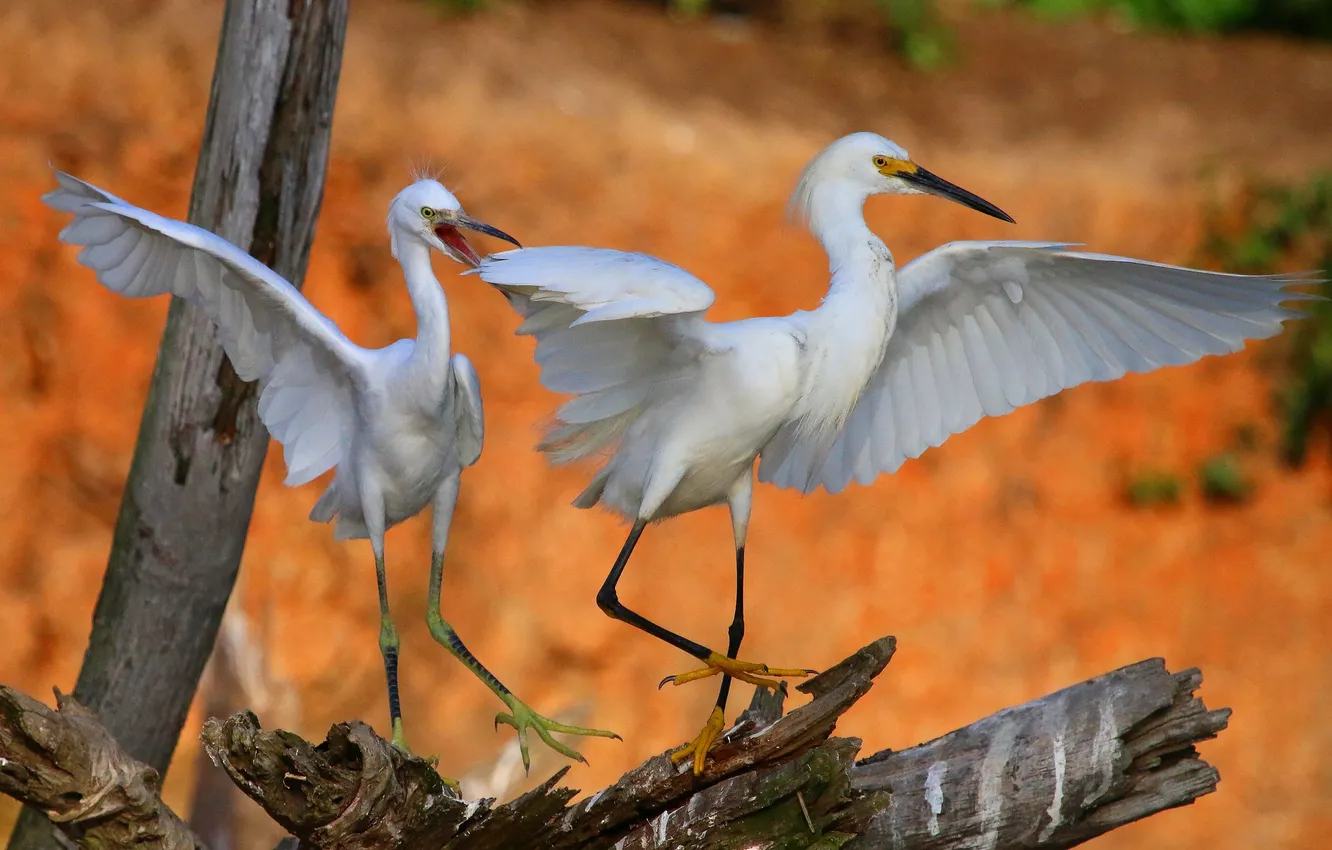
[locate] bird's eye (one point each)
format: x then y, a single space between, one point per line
880 161
427 212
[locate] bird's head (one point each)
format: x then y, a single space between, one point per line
867 164
428 212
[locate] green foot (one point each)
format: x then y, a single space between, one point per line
400 741
524 718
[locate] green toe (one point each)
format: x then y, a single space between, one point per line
524 718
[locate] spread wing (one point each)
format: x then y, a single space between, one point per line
986 327
306 367
610 327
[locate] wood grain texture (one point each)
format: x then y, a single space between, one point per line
66 764
187 502
186 506
1051 773
1048 774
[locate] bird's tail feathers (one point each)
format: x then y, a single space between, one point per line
591 494
567 442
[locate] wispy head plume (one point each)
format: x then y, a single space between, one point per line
798 207
426 169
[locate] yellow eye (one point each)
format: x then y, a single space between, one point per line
880 161
427 212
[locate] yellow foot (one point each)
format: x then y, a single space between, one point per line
745 671
400 741
698 748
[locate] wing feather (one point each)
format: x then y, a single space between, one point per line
611 328
985 327
469 412
307 369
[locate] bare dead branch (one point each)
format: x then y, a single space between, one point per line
1048 774
1051 773
64 763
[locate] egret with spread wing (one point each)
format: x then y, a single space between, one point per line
892 362
397 424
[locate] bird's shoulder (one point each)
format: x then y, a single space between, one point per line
759 334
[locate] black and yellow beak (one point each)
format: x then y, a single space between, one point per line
927 181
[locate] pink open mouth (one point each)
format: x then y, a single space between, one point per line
452 237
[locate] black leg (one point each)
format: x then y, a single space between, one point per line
610 603
737 631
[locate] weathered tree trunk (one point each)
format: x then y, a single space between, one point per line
186 506
1052 773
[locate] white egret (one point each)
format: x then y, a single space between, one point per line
893 361
397 424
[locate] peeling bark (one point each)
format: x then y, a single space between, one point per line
187 503
1052 773
66 765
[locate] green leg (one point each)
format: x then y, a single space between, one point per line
388 647
388 641
519 716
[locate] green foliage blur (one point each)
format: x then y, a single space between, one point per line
913 26
460 5
1276 223
915 29
1305 18
917 32
1153 487
1223 479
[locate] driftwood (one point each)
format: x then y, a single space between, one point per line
1048 774
186 506
67 765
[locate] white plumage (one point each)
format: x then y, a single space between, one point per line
892 362
986 327
394 422
398 424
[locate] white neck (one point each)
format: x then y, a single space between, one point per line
432 308
837 219
858 260
848 332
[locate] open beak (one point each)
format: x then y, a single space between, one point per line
933 184
447 230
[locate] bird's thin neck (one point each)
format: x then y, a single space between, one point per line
837 219
428 300
848 332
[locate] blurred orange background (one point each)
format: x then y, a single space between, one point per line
1007 562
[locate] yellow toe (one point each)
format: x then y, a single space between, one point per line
757 674
699 747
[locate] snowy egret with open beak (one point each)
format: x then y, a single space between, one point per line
397 425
